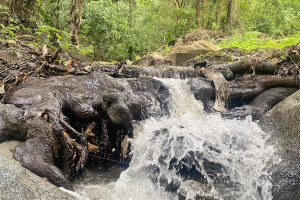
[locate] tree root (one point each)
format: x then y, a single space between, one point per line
72 121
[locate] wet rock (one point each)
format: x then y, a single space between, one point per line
152 71
11 119
195 187
190 170
19 183
261 104
153 60
94 97
154 99
36 153
118 111
203 90
282 122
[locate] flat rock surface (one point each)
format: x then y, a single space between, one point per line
17 183
7 147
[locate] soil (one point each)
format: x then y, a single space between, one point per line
228 55
14 51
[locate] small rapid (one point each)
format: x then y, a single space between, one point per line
192 155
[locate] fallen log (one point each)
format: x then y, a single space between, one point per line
262 103
241 67
260 66
242 90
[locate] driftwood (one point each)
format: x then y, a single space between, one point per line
221 88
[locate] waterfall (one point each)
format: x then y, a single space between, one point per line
192 155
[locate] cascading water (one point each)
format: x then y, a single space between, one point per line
191 155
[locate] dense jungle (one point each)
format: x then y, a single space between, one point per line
150 99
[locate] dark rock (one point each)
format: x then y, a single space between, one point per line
93 97
11 120
191 168
117 111
154 99
36 153
153 60
261 104
282 122
152 71
203 90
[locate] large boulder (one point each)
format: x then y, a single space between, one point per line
283 124
181 54
17 182
97 98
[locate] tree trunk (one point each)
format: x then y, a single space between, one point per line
130 13
130 6
204 15
198 12
56 20
21 10
231 13
75 21
217 13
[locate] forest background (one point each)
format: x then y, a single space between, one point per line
113 30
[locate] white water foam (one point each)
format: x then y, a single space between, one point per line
191 155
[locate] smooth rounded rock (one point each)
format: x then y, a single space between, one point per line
17 182
283 124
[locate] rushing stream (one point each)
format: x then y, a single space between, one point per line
188 156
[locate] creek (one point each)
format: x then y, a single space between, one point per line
189 155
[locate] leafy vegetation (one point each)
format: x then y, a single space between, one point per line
126 29
252 41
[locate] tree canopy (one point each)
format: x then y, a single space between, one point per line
127 29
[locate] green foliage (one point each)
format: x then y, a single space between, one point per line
254 40
14 26
274 17
3 9
110 31
48 34
106 26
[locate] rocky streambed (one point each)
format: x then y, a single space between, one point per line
67 122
